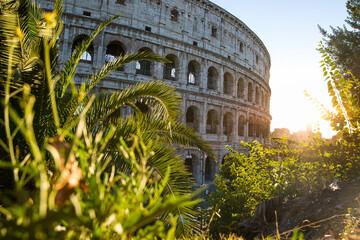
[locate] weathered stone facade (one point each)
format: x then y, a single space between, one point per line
221 68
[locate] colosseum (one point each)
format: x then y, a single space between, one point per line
219 65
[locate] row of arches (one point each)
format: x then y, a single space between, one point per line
203 170
240 88
246 127
244 91
194 167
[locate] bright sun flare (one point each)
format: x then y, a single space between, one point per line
300 113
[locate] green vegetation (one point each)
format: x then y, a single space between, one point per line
342 43
70 166
341 68
288 168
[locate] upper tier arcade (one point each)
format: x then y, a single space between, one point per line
202 24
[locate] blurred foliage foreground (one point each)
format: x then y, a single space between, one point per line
69 167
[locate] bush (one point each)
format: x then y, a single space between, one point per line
288 169
69 167
79 200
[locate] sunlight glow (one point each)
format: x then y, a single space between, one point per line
299 113
292 46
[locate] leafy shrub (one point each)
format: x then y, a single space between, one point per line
288 169
79 200
70 168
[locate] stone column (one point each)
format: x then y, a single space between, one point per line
67 42
101 49
131 67
234 86
221 120
203 73
247 116
236 80
203 113
183 65
184 108
158 67
221 81
236 126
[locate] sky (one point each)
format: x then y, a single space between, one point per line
289 30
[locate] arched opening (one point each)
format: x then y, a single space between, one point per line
192 120
174 15
189 163
88 55
116 114
213 31
223 160
212 78
144 67
250 92
208 169
113 51
258 128
228 124
170 71
251 127
228 84
143 107
241 88
211 122
241 126
193 72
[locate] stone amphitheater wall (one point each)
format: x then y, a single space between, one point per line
222 110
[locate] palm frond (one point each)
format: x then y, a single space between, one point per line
172 133
180 135
91 82
165 158
68 72
119 62
164 102
180 180
159 125
23 25
10 50
179 184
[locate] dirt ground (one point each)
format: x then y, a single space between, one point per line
330 212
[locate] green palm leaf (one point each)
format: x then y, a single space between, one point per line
23 54
82 94
69 70
180 181
164 101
